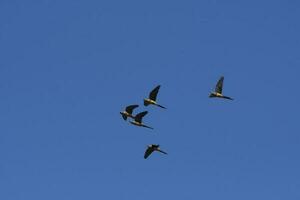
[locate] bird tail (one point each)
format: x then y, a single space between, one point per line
225 97
161 106
162 151
147 127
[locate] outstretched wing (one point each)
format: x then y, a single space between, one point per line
148 152
219 86
138 117
129 109
153 93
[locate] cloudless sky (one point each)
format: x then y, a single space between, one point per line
68 67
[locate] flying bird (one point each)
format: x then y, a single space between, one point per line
128 111
138 120
151 148
152 98
218 90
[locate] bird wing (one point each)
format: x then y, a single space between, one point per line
153 93
138 117
129 109
148 152
219 86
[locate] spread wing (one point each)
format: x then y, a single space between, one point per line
153 93
138 117
219 86
129 109
148 152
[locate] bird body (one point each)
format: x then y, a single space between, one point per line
218 90
128 111
151 100
138 120
216 94
125 115
151 148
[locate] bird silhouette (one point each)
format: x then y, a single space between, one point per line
151 148
128 111
138 120
218 90
151 100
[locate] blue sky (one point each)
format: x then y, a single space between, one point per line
68 67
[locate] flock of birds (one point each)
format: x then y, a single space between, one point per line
151 100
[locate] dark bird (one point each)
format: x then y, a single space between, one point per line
151 148
152 98
218 90
128 111
138 120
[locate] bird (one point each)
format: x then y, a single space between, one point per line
128 111
218 90
152 98
151 148
138 120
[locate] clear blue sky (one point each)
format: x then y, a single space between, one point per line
68 67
